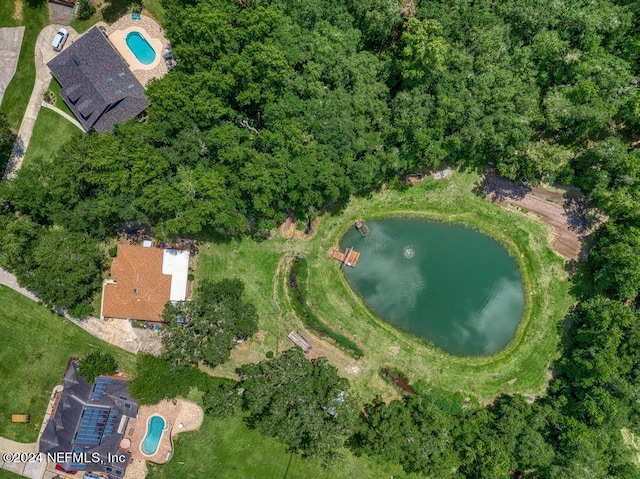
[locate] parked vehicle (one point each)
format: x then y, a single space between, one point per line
60 39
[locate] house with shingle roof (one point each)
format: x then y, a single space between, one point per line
90 421
97 85
143 280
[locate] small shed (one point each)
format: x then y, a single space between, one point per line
299 341
21 418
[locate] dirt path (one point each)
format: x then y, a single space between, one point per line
566 212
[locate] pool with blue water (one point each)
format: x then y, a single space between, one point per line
140 47
155 425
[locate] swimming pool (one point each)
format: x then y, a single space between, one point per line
155 425
140 47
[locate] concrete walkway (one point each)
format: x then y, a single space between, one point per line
30 464
62 114
10 281
10 44
43 53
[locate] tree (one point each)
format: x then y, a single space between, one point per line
156 379
302 403
97 363
424 48
6 141
414 432
209 326
65 270
222 401
85 10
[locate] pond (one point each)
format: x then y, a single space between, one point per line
459 289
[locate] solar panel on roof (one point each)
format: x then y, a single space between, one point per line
111 422
78 465
92 425
98 388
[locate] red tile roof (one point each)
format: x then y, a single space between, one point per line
141 290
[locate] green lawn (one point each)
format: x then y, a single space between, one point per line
50 132
35 17
522 367
154 8
9 475
7 8
228 449
55 88
36 345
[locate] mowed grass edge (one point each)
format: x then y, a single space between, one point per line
522 367
35 350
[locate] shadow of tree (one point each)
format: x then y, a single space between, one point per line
15 159
499 188
116 8
35 3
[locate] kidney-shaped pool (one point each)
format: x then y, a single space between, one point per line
450 284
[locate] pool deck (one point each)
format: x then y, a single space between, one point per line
153 33
179 415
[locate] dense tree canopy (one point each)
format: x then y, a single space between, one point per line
303 403
96 364
6 141
207 327
285 107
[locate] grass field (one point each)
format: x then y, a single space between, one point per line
35 17
50 132
7 8
233 451
36 345
9 475
522 367
111 10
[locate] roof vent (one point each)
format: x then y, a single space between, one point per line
121 74
135 290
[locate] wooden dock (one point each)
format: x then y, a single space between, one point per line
350 257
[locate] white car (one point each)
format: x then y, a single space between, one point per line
59 39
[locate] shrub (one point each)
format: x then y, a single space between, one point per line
297 278
96 364
85 10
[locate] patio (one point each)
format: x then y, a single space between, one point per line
152 32
180 415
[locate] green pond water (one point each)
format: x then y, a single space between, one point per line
450 284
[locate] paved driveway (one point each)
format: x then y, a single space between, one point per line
43 54
10 43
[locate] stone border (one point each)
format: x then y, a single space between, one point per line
118 39
152 33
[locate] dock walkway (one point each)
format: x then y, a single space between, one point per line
350 257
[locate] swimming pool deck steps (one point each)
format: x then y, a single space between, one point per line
350 257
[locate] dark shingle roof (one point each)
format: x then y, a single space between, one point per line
96 83
67 432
